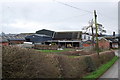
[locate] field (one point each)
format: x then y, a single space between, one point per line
52 51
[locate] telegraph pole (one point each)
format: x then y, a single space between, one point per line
92 33
97 46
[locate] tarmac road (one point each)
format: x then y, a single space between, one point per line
113 72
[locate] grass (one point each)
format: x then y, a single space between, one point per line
57 51
46 51
50 51
102 69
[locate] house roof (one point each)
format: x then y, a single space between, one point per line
3 39
113 40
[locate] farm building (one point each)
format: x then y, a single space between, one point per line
86 37
3 41
114 43
114 40
65 43
10 39
65 39
37 38
68 35
46 32
87 43
104 43
16 41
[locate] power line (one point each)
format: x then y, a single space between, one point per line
81 9
74 7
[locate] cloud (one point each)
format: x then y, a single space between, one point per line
27 17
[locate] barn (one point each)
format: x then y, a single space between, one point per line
4 41
46 32
104 43
37 38
68 35
12 39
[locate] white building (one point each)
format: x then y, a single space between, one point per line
86 37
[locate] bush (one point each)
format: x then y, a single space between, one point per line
103 58
46 47
90 65
76 53
26 63
71 67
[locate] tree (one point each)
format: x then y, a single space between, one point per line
93 28
101 29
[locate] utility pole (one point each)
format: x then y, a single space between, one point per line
92 33
97 45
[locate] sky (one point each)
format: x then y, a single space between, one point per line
29 16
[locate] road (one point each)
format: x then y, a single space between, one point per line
113 72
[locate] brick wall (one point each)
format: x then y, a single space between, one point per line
16 42
104 44
5 43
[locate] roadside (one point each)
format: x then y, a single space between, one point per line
113 71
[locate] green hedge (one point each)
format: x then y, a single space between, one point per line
96 74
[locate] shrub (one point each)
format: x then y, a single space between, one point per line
89 63
71 67
103 58
46 47
26 63
76 53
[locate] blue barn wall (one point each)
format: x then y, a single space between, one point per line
36 38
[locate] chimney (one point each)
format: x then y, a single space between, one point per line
113 33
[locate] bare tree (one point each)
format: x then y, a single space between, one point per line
93 28
90 26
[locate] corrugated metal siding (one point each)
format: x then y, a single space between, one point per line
37 38
45 32
67 35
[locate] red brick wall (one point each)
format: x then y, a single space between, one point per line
5 43
86 45
16 42
104 44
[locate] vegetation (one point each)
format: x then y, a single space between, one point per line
52 51
102 69
20 62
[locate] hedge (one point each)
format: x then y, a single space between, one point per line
28 63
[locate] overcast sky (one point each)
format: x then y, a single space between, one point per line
20 16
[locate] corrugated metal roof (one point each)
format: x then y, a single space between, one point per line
3 39
11 37
68 35
46 32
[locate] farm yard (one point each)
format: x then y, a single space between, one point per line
20 62
59 39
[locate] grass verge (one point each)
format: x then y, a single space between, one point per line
96 74
50 51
